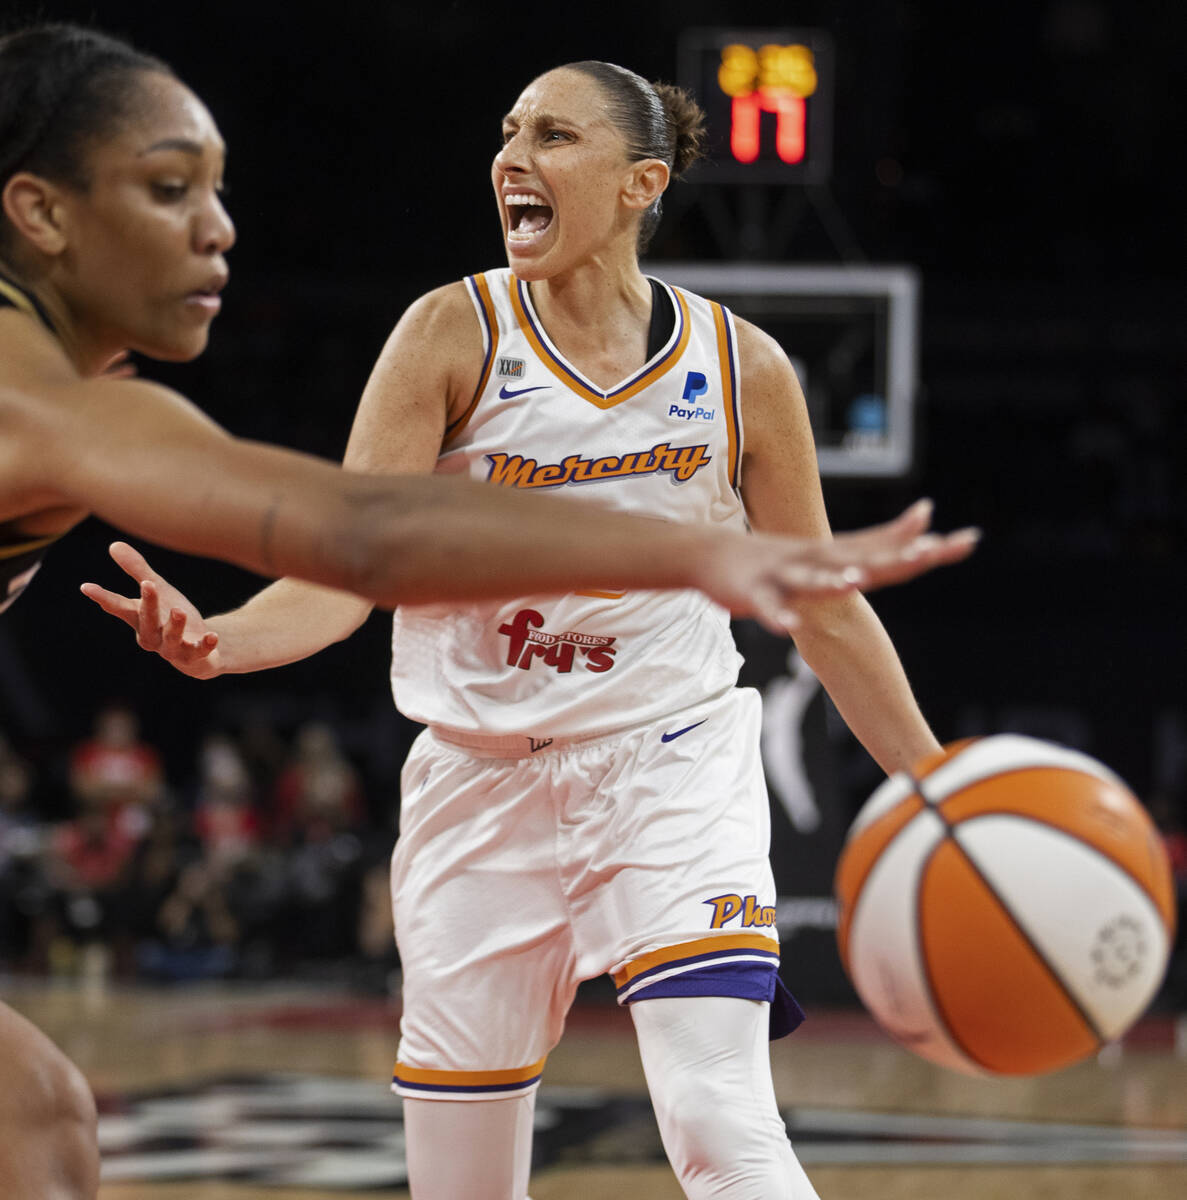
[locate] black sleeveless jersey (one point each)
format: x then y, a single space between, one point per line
20 554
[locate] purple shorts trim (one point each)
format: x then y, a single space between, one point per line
747 981
518 1085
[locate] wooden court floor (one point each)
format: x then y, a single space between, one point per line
869 1119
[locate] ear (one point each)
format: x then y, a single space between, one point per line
33 207
646 182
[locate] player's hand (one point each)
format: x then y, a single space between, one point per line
903 548
164 619
780 573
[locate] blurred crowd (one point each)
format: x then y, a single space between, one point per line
265 863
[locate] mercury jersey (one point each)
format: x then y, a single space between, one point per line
20 554
665 442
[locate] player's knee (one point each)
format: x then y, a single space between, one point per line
60 1106
75 1102
717 1143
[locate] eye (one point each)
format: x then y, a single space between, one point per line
556 135
169 192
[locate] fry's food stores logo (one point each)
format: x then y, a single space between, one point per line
529 642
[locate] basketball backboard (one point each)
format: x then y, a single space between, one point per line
851 333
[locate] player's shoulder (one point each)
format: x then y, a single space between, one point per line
443 310
30 352
437 338
756 345
439 326
35 374
761 358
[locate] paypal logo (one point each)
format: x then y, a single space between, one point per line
695 386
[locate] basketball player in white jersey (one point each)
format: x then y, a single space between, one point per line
588 796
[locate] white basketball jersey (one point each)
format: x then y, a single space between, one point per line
666 442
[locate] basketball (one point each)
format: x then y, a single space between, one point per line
1006 907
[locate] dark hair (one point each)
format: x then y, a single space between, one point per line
61 88
658 120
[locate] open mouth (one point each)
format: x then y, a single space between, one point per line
527 217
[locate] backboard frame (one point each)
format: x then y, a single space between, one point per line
898 284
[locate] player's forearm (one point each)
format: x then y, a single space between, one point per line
417 540
285 622
845 644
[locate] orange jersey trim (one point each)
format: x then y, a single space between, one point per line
683 950
480 289
729 392
569 377
414 1075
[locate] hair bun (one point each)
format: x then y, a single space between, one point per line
686 119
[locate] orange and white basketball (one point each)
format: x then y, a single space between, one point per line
1006 907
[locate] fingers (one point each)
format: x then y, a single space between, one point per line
180 650
914 520
149 633
770 607
166 635
772 602
127 610
869 545
922 554
802 579
959 544
131 561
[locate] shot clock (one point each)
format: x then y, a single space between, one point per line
850 329
768 97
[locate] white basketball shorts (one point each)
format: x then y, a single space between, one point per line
525 865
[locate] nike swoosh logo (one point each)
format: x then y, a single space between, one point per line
671 737
505 393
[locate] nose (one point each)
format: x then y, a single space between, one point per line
511 157
215 231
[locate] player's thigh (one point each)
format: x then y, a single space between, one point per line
481 923
674 849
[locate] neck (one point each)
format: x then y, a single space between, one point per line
89 354
594 295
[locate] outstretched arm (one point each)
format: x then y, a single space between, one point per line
146 461
283 623
414 539
292 619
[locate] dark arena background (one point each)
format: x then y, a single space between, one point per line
1018 165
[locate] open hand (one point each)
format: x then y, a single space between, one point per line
164 619
768 579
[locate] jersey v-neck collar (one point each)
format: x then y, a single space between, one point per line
655 367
